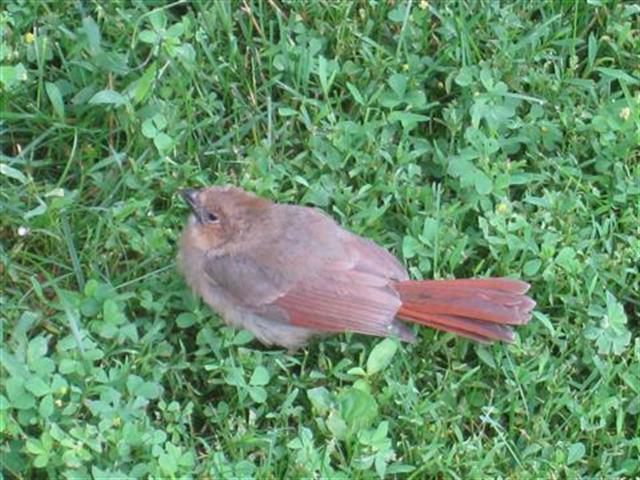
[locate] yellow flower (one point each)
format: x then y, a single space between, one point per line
29 37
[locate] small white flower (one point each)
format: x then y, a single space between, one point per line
625 113
23 231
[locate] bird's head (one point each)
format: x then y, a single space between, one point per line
220 215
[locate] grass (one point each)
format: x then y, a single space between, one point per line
470 138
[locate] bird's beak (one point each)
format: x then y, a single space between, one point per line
191 197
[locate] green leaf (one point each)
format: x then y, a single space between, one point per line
619 75
234 376
531 267
36 211
41 461
186 319
617 335
149 390
320 398
461 165
242 337
46 406
107 330
398 83
112 314
12 173
108 97
55 97
258 394
355 93
111 62
389 100
142 86
129 331
381 463
287 112
464 77
92 31
11 75
160 121
482 183
407 119
429 230
163 142
260 376
337 425
484 354
322 73
380 433
175 31
90 307
612 336
149 130
37 386
148 36
410 247
138 387
400 468
542 318
592 50
18 396
158 19
35 447
168 464
37 348
399 13
67 366
615 314
417 99
575 453
567 259
357 371
381 355
357 408
486 78
42 366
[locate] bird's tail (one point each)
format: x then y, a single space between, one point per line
482 309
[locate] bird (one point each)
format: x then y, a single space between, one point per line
289 273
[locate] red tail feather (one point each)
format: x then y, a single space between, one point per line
482 309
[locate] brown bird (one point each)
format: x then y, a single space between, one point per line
288 273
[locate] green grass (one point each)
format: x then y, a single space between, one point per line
470 138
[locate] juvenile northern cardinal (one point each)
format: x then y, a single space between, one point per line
287 273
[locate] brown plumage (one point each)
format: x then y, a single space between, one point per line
287 273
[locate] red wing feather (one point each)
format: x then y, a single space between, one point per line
340 301
352 294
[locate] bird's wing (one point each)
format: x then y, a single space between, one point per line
371 257
340 298
349 289
248 281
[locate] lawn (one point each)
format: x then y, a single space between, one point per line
471 138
